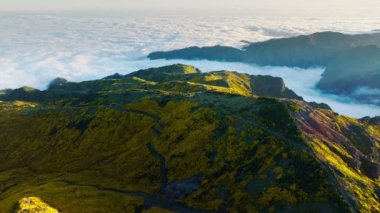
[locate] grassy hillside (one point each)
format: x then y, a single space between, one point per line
173 139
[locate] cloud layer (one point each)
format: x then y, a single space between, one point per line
35 48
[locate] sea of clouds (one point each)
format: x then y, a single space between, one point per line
35 48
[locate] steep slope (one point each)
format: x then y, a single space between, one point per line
349 147
176 139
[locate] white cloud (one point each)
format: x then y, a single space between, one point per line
35 48
82 64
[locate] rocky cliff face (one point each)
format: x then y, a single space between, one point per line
176 139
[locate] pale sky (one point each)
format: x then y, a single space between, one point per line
33 5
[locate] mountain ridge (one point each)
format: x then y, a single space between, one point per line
176 139
338 52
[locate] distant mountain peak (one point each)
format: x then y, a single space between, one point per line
57 82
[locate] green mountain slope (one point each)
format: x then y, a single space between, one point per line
177 140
